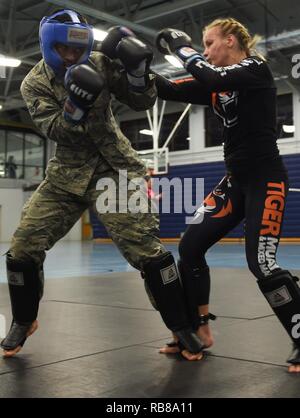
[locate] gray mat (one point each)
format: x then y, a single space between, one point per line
98 337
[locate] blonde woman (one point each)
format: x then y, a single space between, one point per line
236 81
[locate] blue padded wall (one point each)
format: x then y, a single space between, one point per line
172 225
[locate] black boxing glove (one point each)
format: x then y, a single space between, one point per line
136 58
83 85
175 42
114 36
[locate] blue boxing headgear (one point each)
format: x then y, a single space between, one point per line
73 33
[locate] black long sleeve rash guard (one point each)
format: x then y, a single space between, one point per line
243 95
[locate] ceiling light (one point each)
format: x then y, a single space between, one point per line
9 62
289 129
146 132
99 34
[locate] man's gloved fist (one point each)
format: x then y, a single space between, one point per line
175 42
136 58
83 85
114 36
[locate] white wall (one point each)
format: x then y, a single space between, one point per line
75 234
11 203
296 113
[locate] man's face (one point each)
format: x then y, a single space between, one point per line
69 54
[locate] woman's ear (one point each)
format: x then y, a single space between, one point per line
230 40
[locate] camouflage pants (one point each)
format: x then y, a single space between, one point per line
51 212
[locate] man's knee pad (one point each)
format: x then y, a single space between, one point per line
162 279
196 285
283 295
26 283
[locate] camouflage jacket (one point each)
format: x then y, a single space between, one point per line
97 141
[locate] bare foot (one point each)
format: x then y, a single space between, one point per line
205 335
294 368
186 354
173 348
169 350
192 357
11 353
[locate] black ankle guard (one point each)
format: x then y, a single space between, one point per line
294 357
203 319
189 341
16 336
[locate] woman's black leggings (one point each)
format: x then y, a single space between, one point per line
259 200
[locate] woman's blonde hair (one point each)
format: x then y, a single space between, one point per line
232 26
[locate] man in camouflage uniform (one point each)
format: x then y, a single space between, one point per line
90 146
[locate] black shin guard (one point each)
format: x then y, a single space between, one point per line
196 285
150 296
283 295
17 335
25 281
167 296
162 279
294 357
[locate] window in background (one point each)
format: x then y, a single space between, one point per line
22 155
180 139
2 153
131 129
34 157
285 117
139 141
33 173
14 154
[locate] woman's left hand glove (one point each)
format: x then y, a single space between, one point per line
175 42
